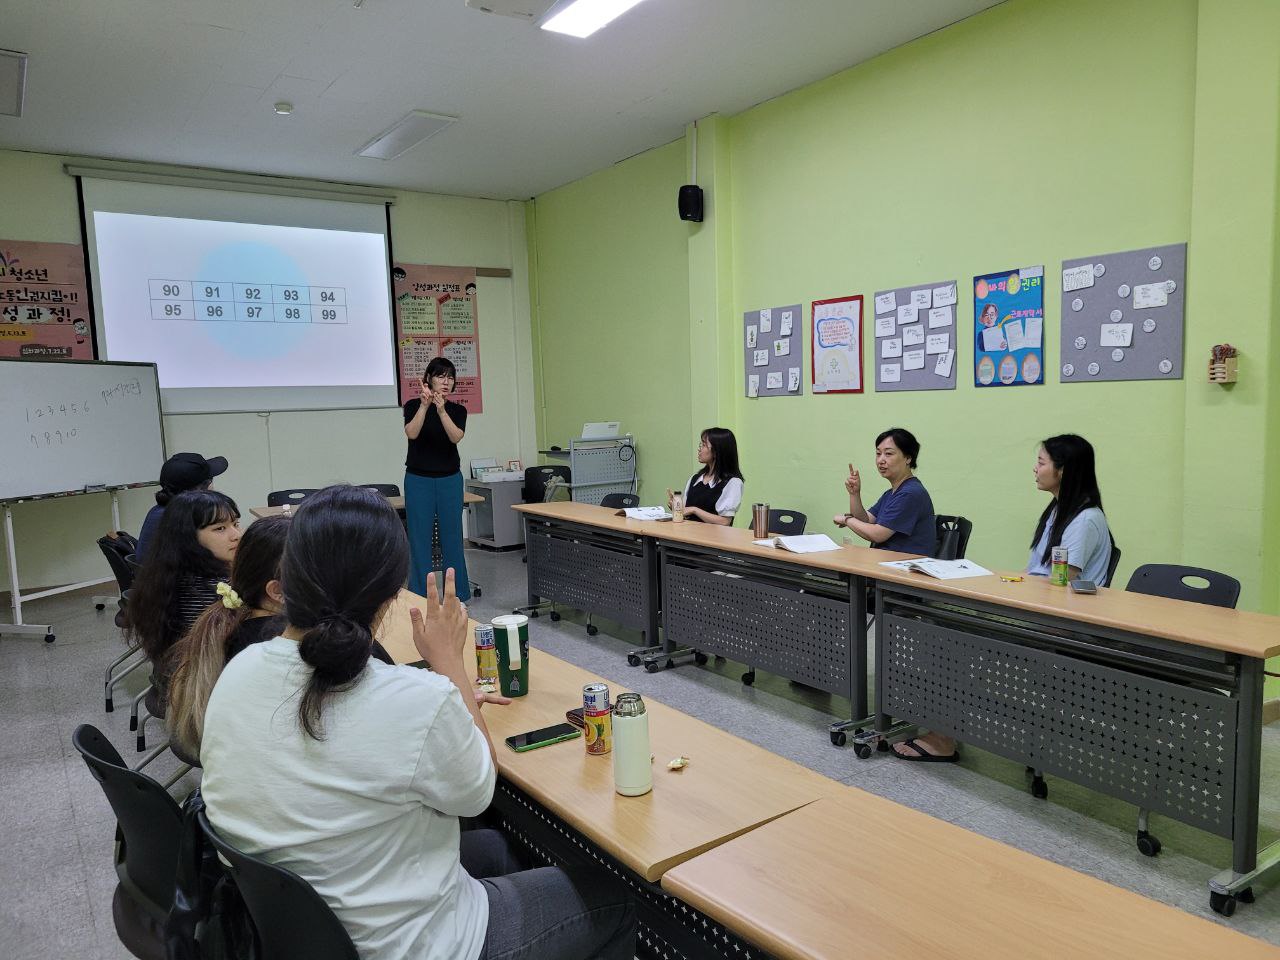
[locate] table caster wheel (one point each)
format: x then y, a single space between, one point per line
1245 895
592 629
1148 844
633 660
475 591
862 751
652 667
699 658
669 664
838 738
48 638
555 617
99 606
1222 903
882 746
1039 789
749 678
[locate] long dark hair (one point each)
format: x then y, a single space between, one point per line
202 653
153 600
346 556
1078 491
724 454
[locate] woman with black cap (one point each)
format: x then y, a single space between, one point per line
180 473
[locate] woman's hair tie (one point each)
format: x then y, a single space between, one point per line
230 599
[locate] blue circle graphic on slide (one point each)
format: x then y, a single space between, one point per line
256 263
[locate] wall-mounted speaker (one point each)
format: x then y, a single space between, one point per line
690 202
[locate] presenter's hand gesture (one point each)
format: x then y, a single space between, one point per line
438 399
424 394
840 519
853 482
440 636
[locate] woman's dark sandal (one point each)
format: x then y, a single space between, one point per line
924 756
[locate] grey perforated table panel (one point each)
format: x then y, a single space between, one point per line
1170 728
792 621
593 570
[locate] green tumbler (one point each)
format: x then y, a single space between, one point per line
511 638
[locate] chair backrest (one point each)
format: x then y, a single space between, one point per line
789 523
117 550
953 537
1170 580
150 822
292 920
279 498
536 479
1112 565
386 489
619 500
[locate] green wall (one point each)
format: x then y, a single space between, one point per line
1032 133
610 312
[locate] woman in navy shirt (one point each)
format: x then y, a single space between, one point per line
902 519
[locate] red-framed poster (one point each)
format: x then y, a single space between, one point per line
837 345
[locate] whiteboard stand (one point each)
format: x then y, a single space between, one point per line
16 598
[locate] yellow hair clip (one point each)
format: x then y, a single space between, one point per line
230 599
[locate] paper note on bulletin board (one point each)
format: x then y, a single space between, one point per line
44 303
437 316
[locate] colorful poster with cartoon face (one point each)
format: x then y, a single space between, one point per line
44 304
1008 325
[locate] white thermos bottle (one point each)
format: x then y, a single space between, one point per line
632 760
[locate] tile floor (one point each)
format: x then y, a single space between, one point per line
57 829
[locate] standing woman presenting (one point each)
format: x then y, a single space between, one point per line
435 426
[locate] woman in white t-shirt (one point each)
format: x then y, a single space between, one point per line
1074 518
352 773
714 493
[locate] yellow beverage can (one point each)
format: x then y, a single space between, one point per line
597 719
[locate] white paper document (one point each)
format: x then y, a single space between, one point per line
937 343
908 313
793 379
753 385
1148 295
1013 334
944 296
644 513
913 360
893 347
993 339
782 348
761 358
922 299
1077 278
784 325
943 366
939 317
1032 331
885 302
1116 335
751 337
940 569
773 380
885 326
766 320
912 336
890 373
806 543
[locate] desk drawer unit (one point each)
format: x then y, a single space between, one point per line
771 616
589 569
1158 724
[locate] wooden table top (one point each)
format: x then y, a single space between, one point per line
397 502
730 785
1235 631
856 870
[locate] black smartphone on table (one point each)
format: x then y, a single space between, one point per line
544 737
1083 586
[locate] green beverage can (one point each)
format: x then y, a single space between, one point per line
511 638
1059 571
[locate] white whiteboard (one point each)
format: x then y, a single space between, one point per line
67 425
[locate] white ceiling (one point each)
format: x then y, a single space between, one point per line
193 81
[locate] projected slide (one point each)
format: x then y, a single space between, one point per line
227 305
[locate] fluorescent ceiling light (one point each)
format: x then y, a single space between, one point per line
582 18
13 82
405 134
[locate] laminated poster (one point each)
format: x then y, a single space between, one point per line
1008 322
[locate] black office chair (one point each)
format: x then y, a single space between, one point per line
1170 580
1112 565
148 834
386 489
788 523
619 501
953 537
538 479
119 551
291 919
278 498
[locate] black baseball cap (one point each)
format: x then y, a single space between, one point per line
186 471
